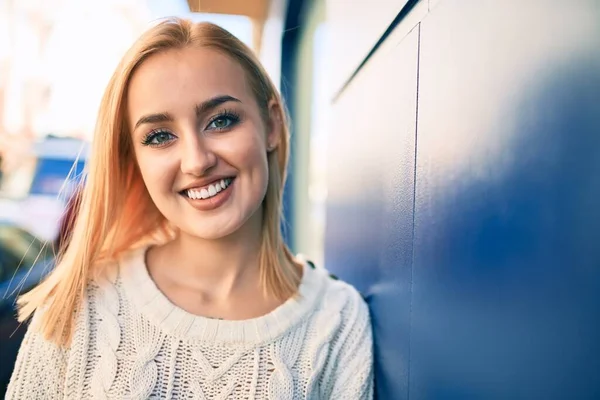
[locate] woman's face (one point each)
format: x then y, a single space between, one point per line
200 140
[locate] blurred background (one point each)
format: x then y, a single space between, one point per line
444 161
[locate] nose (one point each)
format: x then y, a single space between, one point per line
196 156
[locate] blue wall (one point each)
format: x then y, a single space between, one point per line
464 192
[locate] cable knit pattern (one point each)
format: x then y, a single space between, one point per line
77 362
284 354
211 375
325 325
109 336
131 342
148 342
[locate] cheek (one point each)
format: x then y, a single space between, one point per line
252 151
254 161
157 172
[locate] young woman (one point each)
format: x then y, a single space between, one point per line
176 282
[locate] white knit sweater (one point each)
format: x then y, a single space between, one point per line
131 342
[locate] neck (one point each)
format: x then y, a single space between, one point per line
216 268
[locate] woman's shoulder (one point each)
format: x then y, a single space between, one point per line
340 298
108 274
103 278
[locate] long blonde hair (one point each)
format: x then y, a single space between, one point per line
116 213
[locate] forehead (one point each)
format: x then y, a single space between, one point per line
179 78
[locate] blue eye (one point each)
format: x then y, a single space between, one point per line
223 121
158 138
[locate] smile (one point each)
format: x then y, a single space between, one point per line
209 197
208 191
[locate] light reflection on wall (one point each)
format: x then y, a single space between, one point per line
320 130
492 129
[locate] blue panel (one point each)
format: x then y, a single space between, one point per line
52 173
370 200
506 284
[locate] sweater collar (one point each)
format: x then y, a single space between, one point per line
143 293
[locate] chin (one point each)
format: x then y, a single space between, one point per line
207 233
210 231
212 235
220 224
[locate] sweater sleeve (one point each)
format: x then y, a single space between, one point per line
353 376
39 369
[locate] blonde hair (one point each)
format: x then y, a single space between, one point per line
116 213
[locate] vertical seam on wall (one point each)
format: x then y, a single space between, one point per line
412 266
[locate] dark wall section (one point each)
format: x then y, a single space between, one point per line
479 254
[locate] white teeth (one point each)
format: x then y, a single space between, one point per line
210 191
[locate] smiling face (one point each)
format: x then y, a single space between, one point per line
200 140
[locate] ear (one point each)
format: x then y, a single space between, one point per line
275 126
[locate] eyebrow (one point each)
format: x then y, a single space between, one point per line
200 109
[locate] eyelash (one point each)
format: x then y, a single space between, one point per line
232 116
150 136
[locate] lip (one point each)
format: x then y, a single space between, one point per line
203 183
213 202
